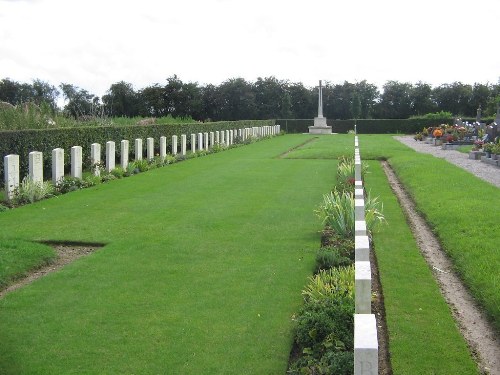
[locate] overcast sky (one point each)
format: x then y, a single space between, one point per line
95 43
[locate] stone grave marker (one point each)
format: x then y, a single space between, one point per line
35 162
76 162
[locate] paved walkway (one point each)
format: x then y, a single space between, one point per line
484 171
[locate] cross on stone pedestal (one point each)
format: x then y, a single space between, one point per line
320 100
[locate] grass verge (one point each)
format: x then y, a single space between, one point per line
202 272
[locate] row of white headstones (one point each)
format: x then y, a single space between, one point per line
200 141
365 325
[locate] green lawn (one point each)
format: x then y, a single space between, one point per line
205 260
202 270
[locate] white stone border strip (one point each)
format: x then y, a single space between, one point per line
365 325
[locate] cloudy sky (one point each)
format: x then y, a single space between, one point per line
95 43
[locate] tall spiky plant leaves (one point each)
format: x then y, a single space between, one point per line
374 215
337 211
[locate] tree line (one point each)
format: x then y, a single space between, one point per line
238 99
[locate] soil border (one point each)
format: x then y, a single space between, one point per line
67 252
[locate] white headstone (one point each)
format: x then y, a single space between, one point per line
228 140
163 147
35 166
150 148
110 156
222 137
57 165
365 345
76 162
200 141
205 141
363 287
193 143
138 148
174 145
183 144
11 175
95 157
124 146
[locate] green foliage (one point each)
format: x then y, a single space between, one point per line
326 326
374 216
338 363
3 208
337 212
22 142
435 116
30 191
329 257
118 172
334 283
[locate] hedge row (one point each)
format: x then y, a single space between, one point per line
369 126
22 142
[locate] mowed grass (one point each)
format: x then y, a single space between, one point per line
423 337
201 273
462 210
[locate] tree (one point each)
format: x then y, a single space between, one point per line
237 100
454 98
121 100
395 101
79 101
268 95
421 99
301 98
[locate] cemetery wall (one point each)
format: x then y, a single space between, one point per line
22 142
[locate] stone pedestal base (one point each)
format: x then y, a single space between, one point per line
320 126
320 130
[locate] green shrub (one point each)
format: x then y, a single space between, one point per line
118 172
326 326
338 363
373 212
334 283
141 165
330 257
68 184
3 208
30 191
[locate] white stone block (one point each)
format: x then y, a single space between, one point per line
57 165
228 140
163 147
217 137
365 345
357 172
193 143
359 193
205 140
222 137
110 156
124 147
11 175
150 148
138 148
35 162
360 228
76 162
361 247
212 139
183 144
358 183
359 209
363 287
174 145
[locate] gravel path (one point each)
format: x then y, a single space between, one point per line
484 171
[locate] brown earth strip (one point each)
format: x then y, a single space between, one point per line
472 322
66 253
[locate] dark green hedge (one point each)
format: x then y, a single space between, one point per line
378 126
22 142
